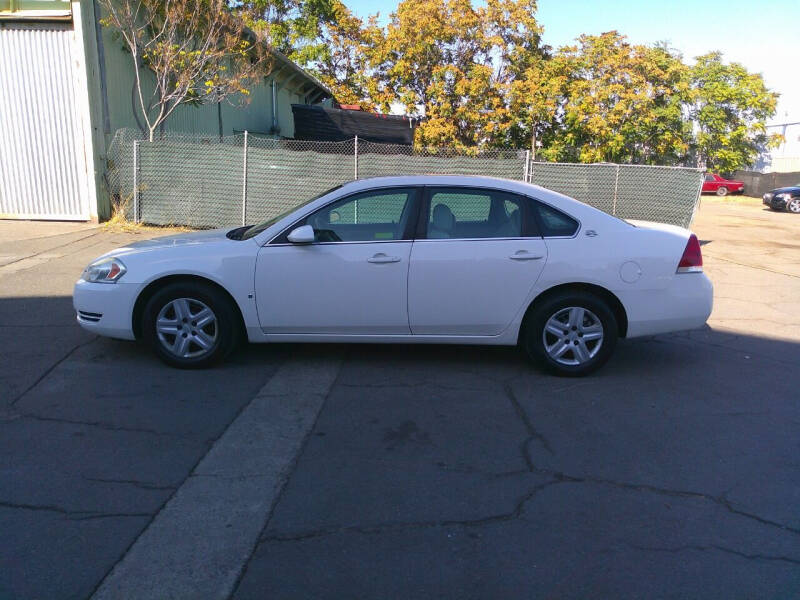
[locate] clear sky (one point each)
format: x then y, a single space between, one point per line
760 34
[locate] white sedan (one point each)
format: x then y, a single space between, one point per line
421 259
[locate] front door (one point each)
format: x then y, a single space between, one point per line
474 263
352 279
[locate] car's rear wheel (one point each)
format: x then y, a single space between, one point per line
571 334
793 205
190 325
722 191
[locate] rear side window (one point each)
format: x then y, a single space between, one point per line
555 223
471 213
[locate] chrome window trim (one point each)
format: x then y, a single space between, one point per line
417 186
493 239
278 245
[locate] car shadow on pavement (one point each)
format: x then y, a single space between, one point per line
434 468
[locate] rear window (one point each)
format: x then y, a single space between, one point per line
555 223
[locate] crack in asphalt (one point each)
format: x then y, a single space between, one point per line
556 477
406 385
51 368
109 427
718 500
403 526
71 515
712 256
145 485
533 433
678 549
35 254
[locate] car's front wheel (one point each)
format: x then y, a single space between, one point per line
722 191
190 325
571 334
793 205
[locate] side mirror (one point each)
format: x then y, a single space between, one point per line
302 235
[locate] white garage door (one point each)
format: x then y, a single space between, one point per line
43 166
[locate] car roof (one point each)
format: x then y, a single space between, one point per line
512 185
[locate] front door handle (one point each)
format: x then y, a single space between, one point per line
525 255
380 257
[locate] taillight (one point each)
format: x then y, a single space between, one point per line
692 259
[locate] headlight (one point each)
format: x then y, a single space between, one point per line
784 196
107 270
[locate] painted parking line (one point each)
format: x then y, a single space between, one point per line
199 542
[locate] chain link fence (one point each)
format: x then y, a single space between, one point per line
648 193
212 181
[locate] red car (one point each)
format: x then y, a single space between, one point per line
714 184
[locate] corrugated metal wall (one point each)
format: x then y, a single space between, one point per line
43 172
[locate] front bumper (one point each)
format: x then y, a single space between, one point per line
773 202
106 308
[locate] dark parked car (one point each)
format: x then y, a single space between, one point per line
785 198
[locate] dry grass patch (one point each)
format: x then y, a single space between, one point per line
120 223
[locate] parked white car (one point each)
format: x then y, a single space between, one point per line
425 259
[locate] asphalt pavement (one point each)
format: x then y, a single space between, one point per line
397 471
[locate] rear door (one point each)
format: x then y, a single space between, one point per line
476 258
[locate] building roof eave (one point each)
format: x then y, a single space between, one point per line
286 63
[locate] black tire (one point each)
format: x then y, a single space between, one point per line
533 336
223 333
722 191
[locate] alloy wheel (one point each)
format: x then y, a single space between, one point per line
573 336
794 205
187 328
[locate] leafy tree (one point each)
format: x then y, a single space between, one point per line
294 27
197 51
622 103
536 98
730 107
453 62
345 64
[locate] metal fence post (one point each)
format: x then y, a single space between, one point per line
616 186
356 159
135 181
527 163
244 182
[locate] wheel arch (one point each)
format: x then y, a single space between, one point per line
151 288
614 303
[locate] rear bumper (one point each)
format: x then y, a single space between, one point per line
685 304
105 309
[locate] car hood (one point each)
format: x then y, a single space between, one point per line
170 241
783 190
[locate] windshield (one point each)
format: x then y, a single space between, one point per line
256 229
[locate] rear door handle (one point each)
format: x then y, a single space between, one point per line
525 255
380 257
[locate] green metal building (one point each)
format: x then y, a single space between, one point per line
67 85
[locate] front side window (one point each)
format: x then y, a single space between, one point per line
463 213
377 215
